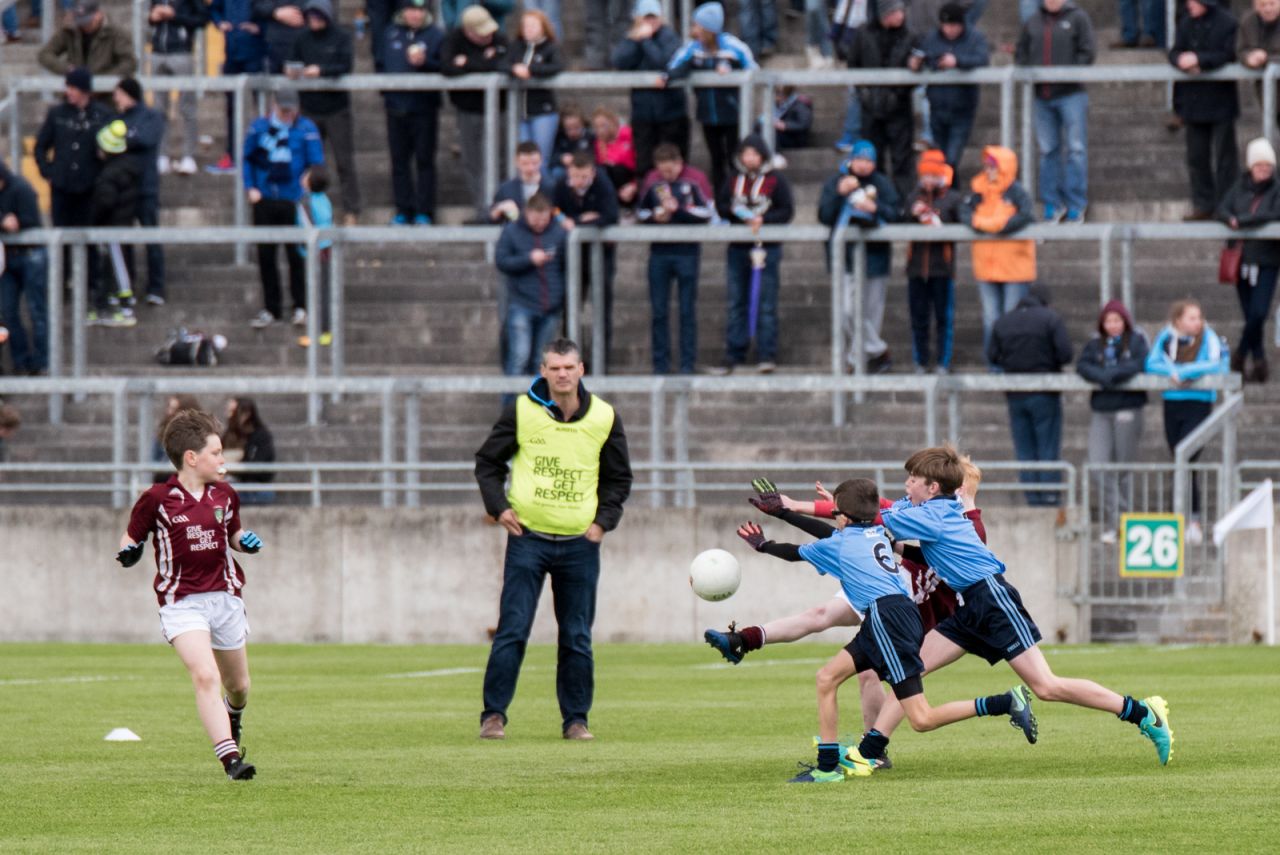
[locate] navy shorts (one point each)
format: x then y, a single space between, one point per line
992 623
889 644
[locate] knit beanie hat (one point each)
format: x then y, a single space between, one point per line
111 138
951 13
710 16
1260 151
130 87
80 78
864 149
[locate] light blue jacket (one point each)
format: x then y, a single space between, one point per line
1213 358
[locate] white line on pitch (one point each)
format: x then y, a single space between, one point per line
439 672
40 681
713 666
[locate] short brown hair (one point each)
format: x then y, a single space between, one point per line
858 499
583 160
940 464
666 153
528 147
538 202
188 430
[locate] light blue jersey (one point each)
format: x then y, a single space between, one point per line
862 559
948 539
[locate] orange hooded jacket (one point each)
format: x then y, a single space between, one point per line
1000 207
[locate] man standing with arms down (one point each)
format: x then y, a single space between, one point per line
570 473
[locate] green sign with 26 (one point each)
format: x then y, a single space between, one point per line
1151 545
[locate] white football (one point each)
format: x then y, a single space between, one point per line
714 575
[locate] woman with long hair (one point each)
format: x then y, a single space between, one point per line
247 440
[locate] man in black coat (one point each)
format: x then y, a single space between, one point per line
887 120
412 46
1206 40
23 276
66 151
1032 339
657 115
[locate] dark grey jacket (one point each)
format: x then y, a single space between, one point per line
1064 38
653 54
66 147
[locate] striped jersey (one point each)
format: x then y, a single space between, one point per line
192 538
862 559
950 543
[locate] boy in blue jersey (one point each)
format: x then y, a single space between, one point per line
991 622
860 556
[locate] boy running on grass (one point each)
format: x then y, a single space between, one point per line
992 622
196 520
860 556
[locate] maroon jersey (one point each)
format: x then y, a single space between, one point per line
933 597
192 538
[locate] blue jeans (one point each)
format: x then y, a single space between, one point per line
817 26
759 22
542 130
26 276
683 267
852 129
1152 20
574 568
951 130
931 299
998 298
1035 420
738 279
528 331
1062 130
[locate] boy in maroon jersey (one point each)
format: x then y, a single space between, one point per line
195 517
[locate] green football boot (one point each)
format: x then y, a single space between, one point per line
1155 726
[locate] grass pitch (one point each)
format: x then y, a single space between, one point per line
374 749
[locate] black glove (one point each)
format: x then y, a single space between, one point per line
753 535
768 500
130 555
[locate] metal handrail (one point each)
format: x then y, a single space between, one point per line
1221 420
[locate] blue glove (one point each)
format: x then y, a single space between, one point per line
130 555
250 542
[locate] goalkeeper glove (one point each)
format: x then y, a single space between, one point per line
250 542
768 500
753 535
130 555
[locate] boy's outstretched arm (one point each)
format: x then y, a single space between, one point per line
754 536
768 500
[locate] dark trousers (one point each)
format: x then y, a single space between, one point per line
72 210
25 278
412 139
646 136
892 138
1213 163
683 268
1035 420
338 131
148 215
1255 295
931 299
234 134
738 278
574 568
279 212
1180 419
951 129
722 141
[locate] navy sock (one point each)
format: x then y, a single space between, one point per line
994 704
873 744
828 756
1132 711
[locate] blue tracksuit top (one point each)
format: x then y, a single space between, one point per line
950 544
862 559
1213 358
276 155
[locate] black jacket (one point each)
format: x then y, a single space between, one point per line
66 148
926 260
394 59
279 37
877 47
1111 363
1212 38
765 193
492 465
543 60
1064 38
652 54
178 34
115 193
1032 339
330 49
259 447
601 198
971 51
831 205
146 130
476 59
1254 205
17 197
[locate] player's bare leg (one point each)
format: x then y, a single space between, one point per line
871 694
233 667
194 649
936 652
1034 670
834 612
829 679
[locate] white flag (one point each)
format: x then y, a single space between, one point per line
1256 511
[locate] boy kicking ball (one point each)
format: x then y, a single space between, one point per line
195 517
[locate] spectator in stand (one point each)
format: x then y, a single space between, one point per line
574 136
549 9
712 49
285 24
657 115
792 118
1258 39
690 173
474 47
174 26
277 150
324 50
605 25
886 110
379 15
1060 34
846 21
1152 26
758 23
614 152
817 35
531 256
1032 339
999 205
586 197
536 54
1206 40
672 200
1252 202
10 421
1110 359
316 209
755 194
116 188
953 45
248 440
145 132
23 276
451 11
412 46
509 201
1184 351
88 40
242 23
931 266
860 195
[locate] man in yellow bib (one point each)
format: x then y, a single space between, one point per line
570 472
